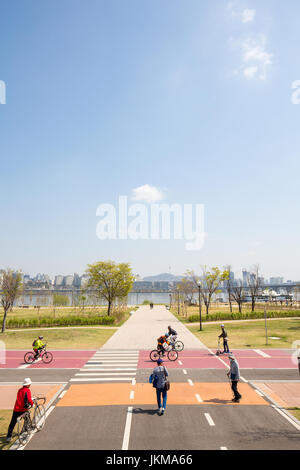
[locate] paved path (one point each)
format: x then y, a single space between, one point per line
109 404
145 326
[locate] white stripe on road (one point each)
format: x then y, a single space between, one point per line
180 363
198 398
62 394
184 371
105 373
261 353
112 368
100 379
112 362
223 448
131 396
127 429
133 381
259 393
49 411
209 419
191 382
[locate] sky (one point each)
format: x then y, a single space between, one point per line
175 102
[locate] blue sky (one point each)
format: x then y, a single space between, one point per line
192 98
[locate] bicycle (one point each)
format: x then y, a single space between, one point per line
27 424
158 353
178 346
45 355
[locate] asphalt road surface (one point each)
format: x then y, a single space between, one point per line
106 401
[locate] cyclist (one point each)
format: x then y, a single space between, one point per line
161 341
38 345
172 334
23 402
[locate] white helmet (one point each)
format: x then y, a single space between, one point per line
27 381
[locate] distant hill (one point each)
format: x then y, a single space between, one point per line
163 277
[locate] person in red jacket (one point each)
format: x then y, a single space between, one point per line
23 402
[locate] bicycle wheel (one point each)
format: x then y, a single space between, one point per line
29 358
172 355
23 430
39 417
179 346
154 355
47 357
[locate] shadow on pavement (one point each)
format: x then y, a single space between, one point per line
141 411
217 400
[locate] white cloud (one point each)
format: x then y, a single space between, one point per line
248 15
255 57
251 72
147 193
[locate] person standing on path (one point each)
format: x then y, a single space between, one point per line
23 402
234 375
160 374
225 340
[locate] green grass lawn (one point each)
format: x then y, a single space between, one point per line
250 334
5 417
295 412
65 338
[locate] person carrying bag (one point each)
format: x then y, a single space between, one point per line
158 378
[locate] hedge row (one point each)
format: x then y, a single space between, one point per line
70 320
243 316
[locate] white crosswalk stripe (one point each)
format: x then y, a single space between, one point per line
109 366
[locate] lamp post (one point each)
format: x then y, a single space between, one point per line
200 310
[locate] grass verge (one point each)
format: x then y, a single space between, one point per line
251 334
295 412
69 338
5 417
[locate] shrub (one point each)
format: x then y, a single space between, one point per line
221 316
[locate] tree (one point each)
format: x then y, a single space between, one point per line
10 288
228 284
60 300
110 280
238 294
187 287
254 284
210 283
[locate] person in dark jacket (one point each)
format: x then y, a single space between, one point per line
160 374
23 402
225 340
234 375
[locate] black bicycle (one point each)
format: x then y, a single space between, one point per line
28 423
45 355
156 354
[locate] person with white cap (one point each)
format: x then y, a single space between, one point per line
23 402
225 340
234 375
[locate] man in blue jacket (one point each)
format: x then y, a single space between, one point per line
234 375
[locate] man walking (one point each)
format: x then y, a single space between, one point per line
23 402
234 375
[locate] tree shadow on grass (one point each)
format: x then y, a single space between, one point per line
6 445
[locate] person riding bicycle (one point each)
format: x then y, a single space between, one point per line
38 345
172 334
161 341
23 402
